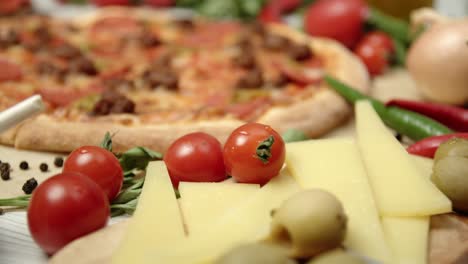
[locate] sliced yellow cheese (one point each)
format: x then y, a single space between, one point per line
156 221
408 238
335 165
248 222
424 165
398 186
203 203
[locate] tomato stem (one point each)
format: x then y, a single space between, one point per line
264 149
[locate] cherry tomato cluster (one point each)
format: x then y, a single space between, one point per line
75 202
342 20
253 153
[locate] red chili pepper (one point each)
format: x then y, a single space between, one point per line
428 146
453 117
273 10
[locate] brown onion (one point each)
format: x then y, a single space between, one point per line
438 62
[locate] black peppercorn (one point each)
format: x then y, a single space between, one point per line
44 167
5 175
4 166
58 162
24 165
29 186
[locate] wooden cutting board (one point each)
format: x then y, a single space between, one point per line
448 238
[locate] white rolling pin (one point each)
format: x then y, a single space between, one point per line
20 111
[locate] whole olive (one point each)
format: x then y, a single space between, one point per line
452 147
338 256
450 175
308 223
256 254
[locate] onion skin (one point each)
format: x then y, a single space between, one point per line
438 62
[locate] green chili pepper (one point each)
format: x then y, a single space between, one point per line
395 27
405 122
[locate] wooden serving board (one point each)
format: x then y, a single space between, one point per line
448 237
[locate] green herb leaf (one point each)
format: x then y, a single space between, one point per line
264 149
138 158
400 52
219 9
293 135
107 142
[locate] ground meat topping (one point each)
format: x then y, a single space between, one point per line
275 42
8 37
300 52
161 77
253 79
83 65
66 51
113 102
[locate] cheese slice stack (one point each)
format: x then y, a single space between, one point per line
247 222
203 203
399 187
156 221
335 165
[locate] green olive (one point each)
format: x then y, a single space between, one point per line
338 256
308 223
452 147
256 254
450 175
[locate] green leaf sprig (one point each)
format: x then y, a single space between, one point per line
133 161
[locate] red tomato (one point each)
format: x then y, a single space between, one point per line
11 6
254 153
9 71
195 157
374 53
111 2
338 19
99 165
159 3
65 207
273 10
379 39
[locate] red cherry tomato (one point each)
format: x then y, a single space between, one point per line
273 10
254 153
379 39
99 165
374 52
65 207
111 2
341 20
159 3
195 157
10 71
11 6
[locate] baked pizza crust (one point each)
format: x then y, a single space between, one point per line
326 109
316 115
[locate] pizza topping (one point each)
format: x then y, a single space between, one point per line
8 37
44 167
275 42
185 23
66 51
9 71
300 52
163 77
83 65
257 28
50 68
149 40
252 79
113 102
119 84
245 60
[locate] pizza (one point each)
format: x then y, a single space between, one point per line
149 77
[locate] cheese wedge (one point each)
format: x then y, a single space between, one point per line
203 203
408 238
248 222
335 165
398 186
156 221
424 165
